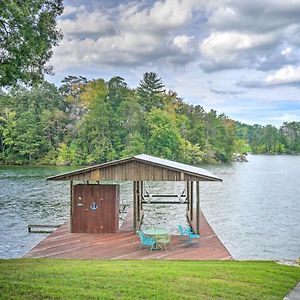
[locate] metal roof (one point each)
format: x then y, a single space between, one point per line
145 159
176 165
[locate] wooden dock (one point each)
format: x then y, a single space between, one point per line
125 245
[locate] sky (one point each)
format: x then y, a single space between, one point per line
241 58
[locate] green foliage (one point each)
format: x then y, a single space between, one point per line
268 139
134 145
101 279
32 124
66 154
291 133
89 122
27 33
164 137
241 146
150 91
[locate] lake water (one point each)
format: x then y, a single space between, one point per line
255 211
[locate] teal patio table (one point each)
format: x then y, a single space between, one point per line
156 233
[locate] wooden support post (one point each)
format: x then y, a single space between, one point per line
197 208
134 206
138 206
71 206
142 194
192 200
188 195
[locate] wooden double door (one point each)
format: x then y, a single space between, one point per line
95 208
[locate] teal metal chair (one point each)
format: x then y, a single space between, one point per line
146 240
193 236
183 231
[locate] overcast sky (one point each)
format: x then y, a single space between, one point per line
241 58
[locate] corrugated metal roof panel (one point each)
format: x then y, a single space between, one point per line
176 165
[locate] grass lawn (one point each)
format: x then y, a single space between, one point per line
100 279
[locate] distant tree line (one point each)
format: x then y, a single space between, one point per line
269 139
93 121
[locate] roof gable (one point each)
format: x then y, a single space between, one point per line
140 168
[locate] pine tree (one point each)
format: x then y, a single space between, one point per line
150 91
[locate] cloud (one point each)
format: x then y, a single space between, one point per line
162 16
86 24
218 34
222 50
250 34
226 92
183 42
71 10
255 16
288 75
129 34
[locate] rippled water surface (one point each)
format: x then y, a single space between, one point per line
255 211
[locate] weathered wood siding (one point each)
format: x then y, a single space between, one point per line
104 218
134 171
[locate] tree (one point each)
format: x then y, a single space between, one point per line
94 131
270 138
291 132
117 90
27 33
164 137
150 90
24 137
125 119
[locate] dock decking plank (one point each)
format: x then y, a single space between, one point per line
125 245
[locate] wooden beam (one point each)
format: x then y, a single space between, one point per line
139 200
134 206
188 195
142 193
197 207
71 205
192 200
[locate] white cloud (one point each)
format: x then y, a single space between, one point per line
254 16
124 49
183 42
69 10
168 32
222 50
129 34
163 15
86 24
287 51
251 34
285 75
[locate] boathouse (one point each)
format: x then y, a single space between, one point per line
94 205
